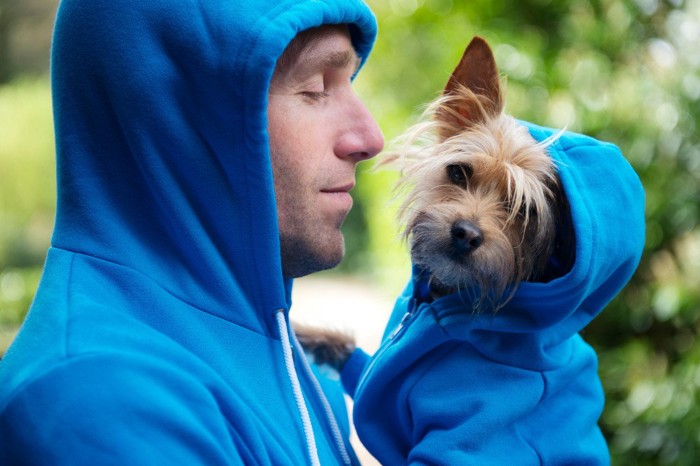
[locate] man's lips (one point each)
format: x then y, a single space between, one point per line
344 188
339 196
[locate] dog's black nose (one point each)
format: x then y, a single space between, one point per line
466 236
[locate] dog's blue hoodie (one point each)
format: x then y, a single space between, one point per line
519 387
155 335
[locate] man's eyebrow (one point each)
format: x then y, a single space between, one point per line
336 59
342 59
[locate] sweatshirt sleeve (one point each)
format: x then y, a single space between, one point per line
353 369
116 411
454 422
490 413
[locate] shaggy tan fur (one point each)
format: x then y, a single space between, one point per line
507 188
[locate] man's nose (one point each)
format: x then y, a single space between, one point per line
362 138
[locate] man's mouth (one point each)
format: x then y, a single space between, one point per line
339 195
340 189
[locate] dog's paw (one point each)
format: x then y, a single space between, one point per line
325 345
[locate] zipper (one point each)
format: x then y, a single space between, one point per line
404 320
293 378
322 408
391 339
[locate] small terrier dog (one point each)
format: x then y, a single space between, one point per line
485 200
484 209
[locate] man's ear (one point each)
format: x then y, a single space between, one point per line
478 73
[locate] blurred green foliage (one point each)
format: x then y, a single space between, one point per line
27 195
626 71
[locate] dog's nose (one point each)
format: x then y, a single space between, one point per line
466 236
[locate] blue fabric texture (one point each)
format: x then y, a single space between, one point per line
152 338
521 386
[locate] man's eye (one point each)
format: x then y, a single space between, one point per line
459 174
315 96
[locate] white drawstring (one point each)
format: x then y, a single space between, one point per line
296 388
337 436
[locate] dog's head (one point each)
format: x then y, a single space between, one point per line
483 196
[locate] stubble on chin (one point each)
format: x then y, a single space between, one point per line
304 256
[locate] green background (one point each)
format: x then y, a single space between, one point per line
623 71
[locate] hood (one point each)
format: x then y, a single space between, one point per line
162 146
607 203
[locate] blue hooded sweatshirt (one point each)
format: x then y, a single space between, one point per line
452 387
159 332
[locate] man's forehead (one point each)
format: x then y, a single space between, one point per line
328 47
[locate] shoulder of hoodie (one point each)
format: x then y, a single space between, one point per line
118 404
89 359
94 344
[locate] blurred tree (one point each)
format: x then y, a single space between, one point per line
25 34
27 194
626 71
8 14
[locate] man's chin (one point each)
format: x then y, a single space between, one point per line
304 261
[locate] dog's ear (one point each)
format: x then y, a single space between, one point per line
476 71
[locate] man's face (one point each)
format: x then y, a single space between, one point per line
319 130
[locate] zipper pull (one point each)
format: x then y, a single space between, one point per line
412 308
404 320
386 343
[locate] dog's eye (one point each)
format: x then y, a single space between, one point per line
530 212
459 174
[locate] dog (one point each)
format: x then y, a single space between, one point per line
483 209
484 200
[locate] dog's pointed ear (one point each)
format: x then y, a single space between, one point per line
477 72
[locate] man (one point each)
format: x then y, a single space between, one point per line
319 130
159 331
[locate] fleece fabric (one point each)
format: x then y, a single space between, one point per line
153 337
449 387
